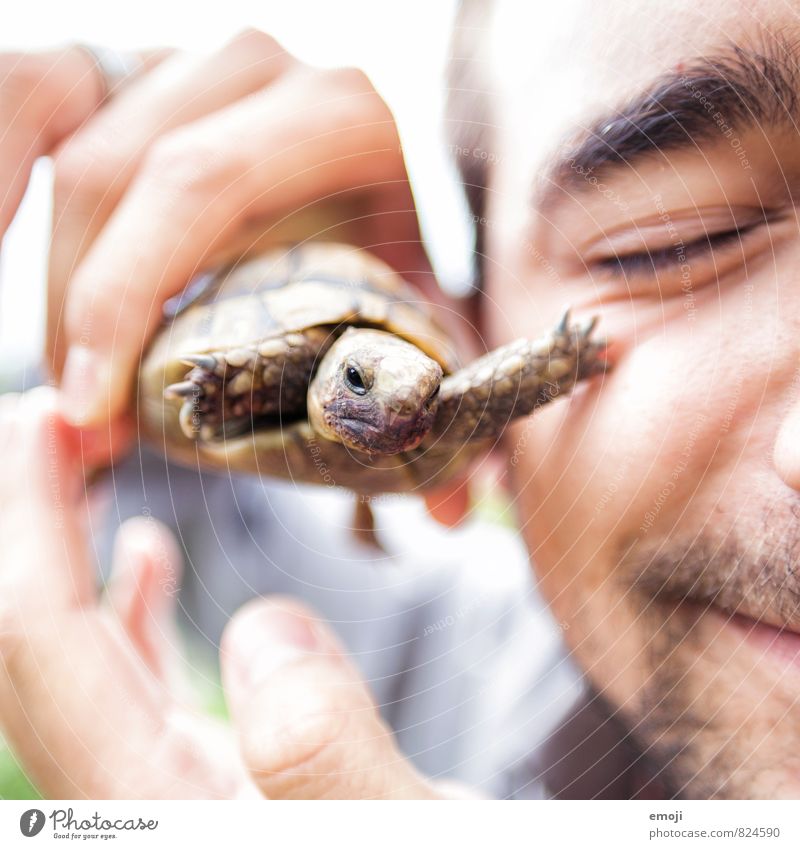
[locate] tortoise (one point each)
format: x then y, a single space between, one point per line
317 363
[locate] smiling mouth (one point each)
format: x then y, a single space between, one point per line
774 641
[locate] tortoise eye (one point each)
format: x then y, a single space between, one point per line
355 380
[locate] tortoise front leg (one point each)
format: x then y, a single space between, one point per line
482 399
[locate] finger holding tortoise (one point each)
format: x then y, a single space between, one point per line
212 149
193 163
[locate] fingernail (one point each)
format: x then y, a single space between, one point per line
271 639
85 377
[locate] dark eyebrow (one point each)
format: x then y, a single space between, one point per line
697 102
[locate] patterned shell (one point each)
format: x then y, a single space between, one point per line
288 290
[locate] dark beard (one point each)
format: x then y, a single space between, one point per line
594 755
669 746
756 575
671 585
671 723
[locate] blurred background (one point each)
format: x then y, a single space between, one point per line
446 626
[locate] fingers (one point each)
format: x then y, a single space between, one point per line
141 593
103 446
307 136
44 563
307 726
78 708
96 165
450 503
43 98
87 719
77 703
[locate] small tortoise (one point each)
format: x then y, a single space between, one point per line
319 364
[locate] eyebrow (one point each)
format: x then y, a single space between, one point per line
699 101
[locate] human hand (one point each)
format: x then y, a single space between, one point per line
44 98
182 168
191 158
187 166
92 696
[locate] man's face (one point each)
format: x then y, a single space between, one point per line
645 168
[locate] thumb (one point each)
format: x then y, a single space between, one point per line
308 728
141 592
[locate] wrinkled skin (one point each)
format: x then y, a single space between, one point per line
672 482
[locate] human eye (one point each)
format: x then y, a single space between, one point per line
659 259
689 251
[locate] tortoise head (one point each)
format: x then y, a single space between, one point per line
374 392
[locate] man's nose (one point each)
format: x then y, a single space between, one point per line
786 455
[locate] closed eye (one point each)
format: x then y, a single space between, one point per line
675 255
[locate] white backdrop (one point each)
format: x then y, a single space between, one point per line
401 46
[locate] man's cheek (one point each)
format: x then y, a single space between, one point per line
627 450
653 424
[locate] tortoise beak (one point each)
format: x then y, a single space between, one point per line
402 435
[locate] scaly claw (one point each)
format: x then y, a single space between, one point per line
183 390
590 325
187 418
206 361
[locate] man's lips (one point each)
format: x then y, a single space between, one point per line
777 642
